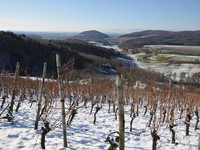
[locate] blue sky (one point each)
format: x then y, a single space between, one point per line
103 15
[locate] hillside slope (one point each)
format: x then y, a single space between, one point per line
32 53
152 37
145 33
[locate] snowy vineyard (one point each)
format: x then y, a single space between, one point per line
31 115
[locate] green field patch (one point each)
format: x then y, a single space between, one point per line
162 58
144 57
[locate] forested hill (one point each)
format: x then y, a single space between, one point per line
90 35
33 53
146 33
152 37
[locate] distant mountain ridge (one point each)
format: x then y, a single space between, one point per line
153 37
90 35
145 33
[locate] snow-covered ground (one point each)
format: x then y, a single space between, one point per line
173 46
167 68
82 134
115 47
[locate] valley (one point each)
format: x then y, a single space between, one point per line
160 94
99 75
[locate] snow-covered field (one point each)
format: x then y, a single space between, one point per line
167 68
82 134
173 46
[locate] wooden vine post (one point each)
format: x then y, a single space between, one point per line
60 80
120 83
41 85
14 89
199 143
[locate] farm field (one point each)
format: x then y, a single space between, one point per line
82 134
174 49
147 112
100 75
169 63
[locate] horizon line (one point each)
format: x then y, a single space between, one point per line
111 32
